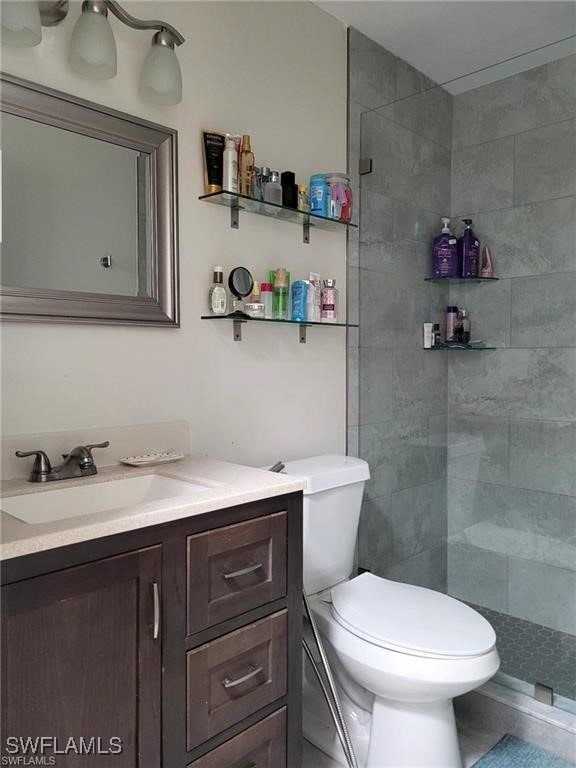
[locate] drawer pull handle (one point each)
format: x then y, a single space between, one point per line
227 683
243 571
156 597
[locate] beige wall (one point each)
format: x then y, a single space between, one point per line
276 71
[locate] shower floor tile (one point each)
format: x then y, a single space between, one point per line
534 653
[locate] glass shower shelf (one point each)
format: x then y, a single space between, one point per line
460 279
237 202
239 320
458 348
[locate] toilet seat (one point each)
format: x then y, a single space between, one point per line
411 620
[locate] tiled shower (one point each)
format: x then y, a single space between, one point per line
472 453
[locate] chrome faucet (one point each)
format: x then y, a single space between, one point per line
78 463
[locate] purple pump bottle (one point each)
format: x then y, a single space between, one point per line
445 261
469 251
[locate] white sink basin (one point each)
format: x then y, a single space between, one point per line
61 503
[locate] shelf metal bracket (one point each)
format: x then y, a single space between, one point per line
302 328
237 330
235 216
306 232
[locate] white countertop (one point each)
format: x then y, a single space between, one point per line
228 485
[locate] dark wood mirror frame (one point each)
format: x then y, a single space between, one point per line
35 102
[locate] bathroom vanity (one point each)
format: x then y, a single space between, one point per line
169 634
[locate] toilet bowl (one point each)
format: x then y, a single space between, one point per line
399 652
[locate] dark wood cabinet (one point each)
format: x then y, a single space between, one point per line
178 642
81 660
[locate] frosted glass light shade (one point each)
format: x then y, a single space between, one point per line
92 47
20 22
161 79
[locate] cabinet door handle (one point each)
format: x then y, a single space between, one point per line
156 596
227 683
242 571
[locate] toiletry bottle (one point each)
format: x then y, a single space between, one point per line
273 189
451 320
314 309
246 167
469 251
436 341
230 166
289 189
257 185
281 294
428 335
299 300
217 297
487 263
319 194
462 328
264 179
303 202
266 291
445 253
329 311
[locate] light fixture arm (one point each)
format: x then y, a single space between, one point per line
132 21
52 12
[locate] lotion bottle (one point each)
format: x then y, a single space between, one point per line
217 297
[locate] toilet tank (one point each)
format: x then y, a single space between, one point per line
332 500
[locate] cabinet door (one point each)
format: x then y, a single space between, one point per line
81 657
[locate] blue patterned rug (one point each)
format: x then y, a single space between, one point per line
511 752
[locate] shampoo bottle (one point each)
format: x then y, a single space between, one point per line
469 251
217 297
445 253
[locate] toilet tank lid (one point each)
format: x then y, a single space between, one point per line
322 473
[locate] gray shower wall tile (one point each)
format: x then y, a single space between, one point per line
544 311
400 384
489 307
393 306
401 454
547 515
532 239
477 448
478 576
396 256
545 163
542 95
483 177
374 535
353 391
406 166
429 114
418 519
412 223
542 594
376 219
426 569
352 441
543 456
371 71
410 81
520 383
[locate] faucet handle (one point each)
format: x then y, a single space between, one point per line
105 444
42 464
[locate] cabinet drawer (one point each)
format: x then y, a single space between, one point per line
261 746
234 569
234 676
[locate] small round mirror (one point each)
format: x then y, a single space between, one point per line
240 282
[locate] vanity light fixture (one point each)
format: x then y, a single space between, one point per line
92 46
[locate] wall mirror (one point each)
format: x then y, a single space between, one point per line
89 218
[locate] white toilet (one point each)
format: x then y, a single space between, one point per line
399 653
